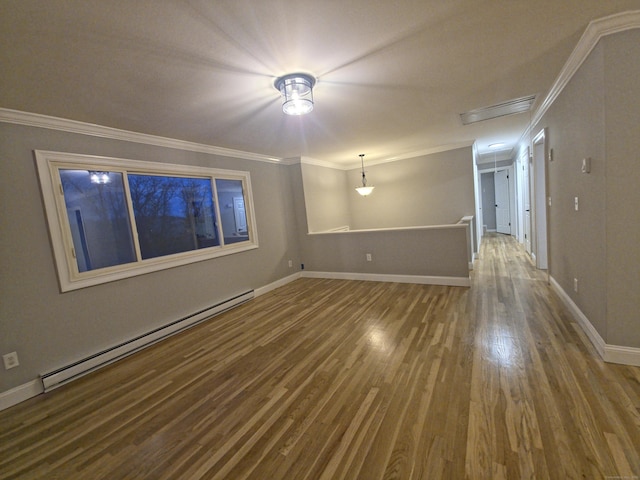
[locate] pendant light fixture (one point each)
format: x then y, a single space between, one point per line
297 93
365 189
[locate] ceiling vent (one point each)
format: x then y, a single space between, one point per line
517 105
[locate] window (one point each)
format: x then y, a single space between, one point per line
112 218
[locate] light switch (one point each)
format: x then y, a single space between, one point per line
586 165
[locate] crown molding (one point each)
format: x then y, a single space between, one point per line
321 163
73 126
418 153
596 29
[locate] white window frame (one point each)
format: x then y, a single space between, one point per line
48 165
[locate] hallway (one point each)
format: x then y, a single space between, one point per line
334 379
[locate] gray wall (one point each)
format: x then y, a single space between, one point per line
326 197
432 189
429 252
622 131
423 252
597 115
49 329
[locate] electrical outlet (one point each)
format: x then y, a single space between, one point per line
575 285
368 257
290 263
575 203
10 360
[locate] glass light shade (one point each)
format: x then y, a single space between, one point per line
297 91
99 178
365 190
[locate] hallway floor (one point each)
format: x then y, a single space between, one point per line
335 379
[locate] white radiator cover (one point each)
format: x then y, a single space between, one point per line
66 374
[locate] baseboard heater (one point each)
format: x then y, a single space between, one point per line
61 376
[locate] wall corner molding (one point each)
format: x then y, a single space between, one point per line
596 29
73 126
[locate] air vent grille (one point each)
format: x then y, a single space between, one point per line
510 107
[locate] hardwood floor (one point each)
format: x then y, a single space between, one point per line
332 379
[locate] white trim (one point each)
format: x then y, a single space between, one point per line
277 284
622 355
390 229
415 154
20 394
320 163
609 353
580 317
397 158
38 120
596 29
379 277
73 126
69 278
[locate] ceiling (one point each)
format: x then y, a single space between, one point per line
392 77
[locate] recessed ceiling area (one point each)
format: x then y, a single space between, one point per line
392 78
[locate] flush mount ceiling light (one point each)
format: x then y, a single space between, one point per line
297 92
365 189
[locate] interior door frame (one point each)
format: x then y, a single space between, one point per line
540 200
524 198
492 167
508 175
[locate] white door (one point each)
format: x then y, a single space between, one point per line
240 214
527 204
503 214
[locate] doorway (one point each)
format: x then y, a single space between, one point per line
538 178
503 212
488 201
498 202
525 199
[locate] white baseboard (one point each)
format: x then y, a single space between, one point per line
20 394
622 355
377 277
278 283
609 353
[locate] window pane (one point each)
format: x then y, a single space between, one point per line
98 217
232 211
173 214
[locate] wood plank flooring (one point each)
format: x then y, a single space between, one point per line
332 379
